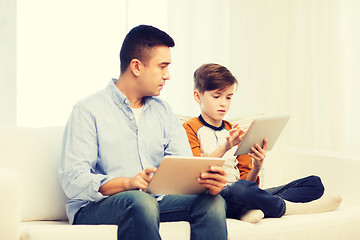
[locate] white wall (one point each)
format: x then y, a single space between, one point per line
66 50
8 62
201 31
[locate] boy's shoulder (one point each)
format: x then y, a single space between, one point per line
227 124
193 122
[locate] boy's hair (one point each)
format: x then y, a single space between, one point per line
139 42
213 76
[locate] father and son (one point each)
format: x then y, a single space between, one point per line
115 137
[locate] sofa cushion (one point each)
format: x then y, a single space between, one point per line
35 153
336 225
59 230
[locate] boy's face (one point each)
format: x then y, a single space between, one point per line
214 104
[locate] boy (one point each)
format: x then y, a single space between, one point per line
210 135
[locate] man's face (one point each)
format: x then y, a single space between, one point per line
155 71
215 104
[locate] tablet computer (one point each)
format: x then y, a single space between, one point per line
178 175
269 127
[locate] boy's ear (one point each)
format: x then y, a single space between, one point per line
135 66
197 96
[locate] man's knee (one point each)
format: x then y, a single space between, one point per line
138 203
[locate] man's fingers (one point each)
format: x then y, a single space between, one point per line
150 170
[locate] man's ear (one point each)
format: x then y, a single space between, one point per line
135 66
197 96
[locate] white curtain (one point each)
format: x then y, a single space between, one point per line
298 57
301 57
66 50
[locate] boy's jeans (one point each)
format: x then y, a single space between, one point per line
138 214
242 196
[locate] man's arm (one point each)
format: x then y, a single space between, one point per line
120 184
79 158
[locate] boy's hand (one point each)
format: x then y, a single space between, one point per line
214 180
258 154
236 134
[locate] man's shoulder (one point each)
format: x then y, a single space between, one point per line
94 100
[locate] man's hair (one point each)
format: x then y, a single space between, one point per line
213 76
139 42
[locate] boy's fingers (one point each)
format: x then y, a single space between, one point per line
265 143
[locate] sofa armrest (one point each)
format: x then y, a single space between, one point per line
10 208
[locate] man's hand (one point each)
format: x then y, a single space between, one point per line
214 180
259 154
120 184
142 179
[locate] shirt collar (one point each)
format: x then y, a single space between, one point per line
211 126
121 99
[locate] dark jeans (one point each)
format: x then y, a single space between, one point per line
242 196
137 214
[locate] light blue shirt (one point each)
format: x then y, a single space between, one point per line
102 141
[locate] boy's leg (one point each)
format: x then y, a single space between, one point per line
134 212
205 213
305 196
301 190
242 196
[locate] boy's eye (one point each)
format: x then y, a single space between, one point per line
228 98
216 96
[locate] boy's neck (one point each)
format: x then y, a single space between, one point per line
220 127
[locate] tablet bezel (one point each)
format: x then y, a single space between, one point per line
269 127
178 175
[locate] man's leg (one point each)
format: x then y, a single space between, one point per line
135 213
205 213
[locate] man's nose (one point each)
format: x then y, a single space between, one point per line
166 75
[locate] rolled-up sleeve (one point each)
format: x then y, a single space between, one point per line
79 158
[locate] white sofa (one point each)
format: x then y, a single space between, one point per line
32 203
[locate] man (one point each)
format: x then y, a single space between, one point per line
113 140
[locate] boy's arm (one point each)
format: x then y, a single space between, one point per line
193 140
250 165
246 169
235 136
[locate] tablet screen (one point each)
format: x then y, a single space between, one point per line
178 175
269 127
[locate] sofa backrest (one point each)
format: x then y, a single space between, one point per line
35 154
